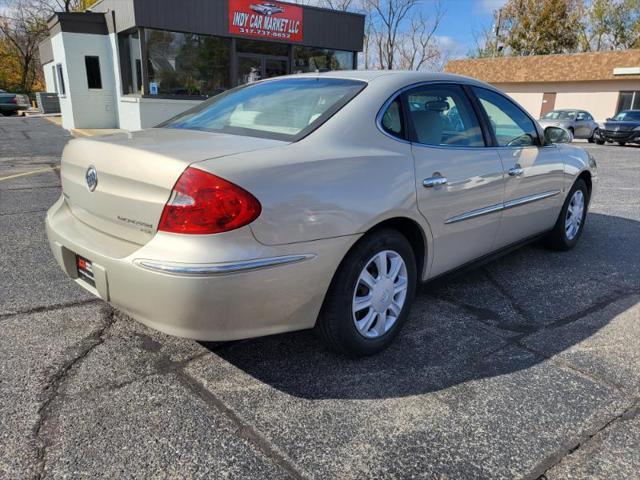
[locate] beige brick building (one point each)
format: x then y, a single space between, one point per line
601 83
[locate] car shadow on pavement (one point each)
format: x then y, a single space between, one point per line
506 316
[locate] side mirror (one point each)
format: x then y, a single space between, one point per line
557 135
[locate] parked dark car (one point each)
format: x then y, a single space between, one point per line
10 103
623 128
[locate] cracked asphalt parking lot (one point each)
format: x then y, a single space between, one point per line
528 367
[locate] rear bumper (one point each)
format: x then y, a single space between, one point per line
269 290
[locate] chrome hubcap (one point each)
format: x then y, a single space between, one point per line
575 212
380 293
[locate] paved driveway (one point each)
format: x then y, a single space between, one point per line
527 367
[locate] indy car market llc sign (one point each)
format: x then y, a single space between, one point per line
268 19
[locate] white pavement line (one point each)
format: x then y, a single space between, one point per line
32 172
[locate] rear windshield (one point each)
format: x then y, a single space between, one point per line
285 109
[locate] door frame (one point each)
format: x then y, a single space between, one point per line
548 103
263 60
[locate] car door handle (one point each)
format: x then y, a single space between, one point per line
434 182
516 171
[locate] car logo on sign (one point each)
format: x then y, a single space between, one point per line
91 177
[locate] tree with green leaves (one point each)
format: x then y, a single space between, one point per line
539 27
611 25
534 27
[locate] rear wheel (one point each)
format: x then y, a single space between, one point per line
570 223
622 144
370 296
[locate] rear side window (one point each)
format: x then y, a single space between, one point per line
284 109
511 126
392 121
442 115
92 64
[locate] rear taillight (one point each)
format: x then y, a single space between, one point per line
202 203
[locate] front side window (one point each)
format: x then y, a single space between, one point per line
511 126
392 121
187 63
442 115
92 65
284 109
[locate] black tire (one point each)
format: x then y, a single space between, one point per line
600 142
557 238
336 325
592 138
622 144
573 134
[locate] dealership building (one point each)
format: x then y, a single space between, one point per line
602 83
132 64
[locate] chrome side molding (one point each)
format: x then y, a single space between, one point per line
476 213
501 206
220 268
516 202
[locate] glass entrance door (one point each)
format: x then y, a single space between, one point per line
252 68
249 69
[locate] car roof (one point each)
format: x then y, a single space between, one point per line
396 75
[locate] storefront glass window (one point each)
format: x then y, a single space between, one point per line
186 63
263 48
309 59
130 62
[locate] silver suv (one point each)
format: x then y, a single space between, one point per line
580 123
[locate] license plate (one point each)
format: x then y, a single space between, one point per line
85 270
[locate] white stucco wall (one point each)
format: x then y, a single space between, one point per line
81 106
598 98
49 72
59 57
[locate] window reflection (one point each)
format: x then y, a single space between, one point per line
309 59
186 63
130 62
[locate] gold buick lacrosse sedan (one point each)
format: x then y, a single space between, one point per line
315 200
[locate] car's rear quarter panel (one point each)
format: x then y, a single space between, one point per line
341 180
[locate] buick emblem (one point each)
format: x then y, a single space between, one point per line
91 177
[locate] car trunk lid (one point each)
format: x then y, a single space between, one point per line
135 175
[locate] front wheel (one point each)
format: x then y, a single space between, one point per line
600 142
370 296
622 144
570 223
